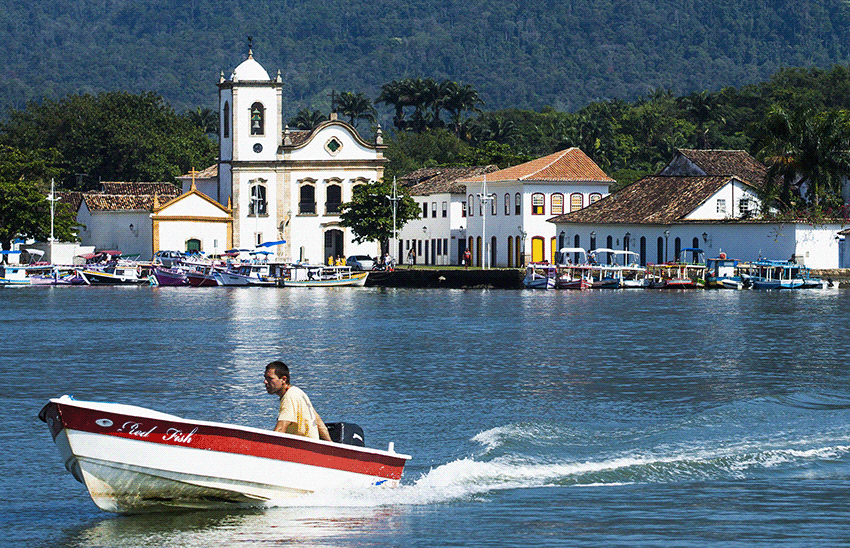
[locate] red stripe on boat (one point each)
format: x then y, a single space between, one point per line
225 440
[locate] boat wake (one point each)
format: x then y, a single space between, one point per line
496 470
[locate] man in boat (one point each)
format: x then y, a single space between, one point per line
297 415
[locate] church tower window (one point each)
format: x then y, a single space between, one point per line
258 119
258 205
225 123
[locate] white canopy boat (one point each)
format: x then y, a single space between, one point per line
133 459
322 276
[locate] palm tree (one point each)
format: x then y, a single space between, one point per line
458 99
702 108
305 119
355 106
204 118
806 150
398 94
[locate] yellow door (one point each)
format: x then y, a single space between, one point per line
537 249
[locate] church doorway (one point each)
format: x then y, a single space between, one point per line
333 244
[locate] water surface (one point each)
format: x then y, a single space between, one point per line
602 418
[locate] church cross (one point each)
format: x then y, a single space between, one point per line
333 100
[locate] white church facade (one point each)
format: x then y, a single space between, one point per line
287 186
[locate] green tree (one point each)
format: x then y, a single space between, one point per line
428 99
206 119
805 149
113 136
355 106
410 151
24 187
306 119
369 214
702 108
459 99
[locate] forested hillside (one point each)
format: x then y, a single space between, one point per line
526 55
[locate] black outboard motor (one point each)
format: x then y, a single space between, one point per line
347 433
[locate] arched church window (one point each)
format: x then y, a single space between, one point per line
258 205
307 199
225 123
334 199
258 119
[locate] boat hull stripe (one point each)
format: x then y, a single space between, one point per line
223 439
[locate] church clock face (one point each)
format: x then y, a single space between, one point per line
258 147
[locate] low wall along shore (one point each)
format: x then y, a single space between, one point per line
503 278
507 278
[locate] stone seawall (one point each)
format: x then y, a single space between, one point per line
505 278
449 279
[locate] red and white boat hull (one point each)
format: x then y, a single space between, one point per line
133 459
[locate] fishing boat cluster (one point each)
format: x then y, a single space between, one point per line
606 268
194 271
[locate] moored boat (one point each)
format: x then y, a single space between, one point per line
681 274
321 276
58 276
12 275
245 274
539 276
767 274
169 276
722 272
133 459
119 274
573 270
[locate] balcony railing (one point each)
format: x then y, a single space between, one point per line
307 208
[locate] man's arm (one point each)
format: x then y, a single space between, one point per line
323 430
281 426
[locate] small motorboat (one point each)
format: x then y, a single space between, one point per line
133 459
322 276
540 276
169 276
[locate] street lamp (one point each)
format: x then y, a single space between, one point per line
666 237
485 199
52 199
255 201
394 199
522 234
427 242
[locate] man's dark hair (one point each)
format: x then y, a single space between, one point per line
281 370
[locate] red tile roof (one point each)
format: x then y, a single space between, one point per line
208 173
567 165
651 200
676 191
163 189
121 202
721 163
439 180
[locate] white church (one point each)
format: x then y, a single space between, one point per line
273 188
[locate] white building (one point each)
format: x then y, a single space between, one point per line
286 186
507 211
192 222
438 236
119 216
703 199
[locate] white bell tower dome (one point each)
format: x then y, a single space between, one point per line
251 110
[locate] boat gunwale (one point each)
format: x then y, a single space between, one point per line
133 412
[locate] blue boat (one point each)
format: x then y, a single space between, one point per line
722 272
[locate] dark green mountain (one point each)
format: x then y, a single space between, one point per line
516 54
